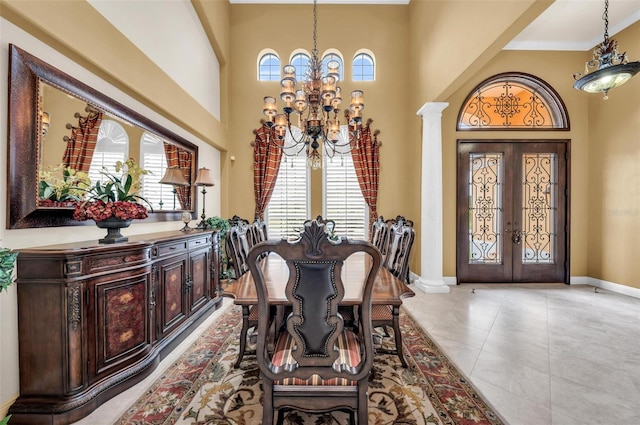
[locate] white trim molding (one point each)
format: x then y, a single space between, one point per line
603 284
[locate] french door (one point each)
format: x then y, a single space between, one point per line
512 211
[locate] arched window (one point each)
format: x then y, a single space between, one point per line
301 62
112 146
333 57
513 101
363 67
269 67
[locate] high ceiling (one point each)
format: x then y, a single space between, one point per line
565 25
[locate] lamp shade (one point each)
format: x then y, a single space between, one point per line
174 176
204 177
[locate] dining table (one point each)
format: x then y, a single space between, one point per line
387 289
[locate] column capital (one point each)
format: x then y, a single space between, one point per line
430 108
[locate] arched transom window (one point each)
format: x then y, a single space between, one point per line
301 62
513 101
364 67
269 67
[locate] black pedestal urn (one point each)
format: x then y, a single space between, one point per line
113 226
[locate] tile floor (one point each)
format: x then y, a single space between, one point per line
540 354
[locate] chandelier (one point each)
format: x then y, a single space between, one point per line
316 102
612 68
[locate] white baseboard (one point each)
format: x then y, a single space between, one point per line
609 286
450 280
579 280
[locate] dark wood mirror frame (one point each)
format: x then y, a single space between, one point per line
25 73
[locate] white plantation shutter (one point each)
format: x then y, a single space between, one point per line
154 160
343 200
112 146
289 205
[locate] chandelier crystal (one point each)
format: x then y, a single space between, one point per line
316 101
612 68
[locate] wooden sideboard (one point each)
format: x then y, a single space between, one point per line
94 319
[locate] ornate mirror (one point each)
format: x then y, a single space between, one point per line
59 125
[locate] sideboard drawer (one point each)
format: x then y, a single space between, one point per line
172 248
199 242
116 260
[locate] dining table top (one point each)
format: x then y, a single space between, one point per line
387 289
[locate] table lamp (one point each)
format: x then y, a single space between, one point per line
203 179
174 177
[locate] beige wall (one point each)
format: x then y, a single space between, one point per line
605 160
558 76
383 30
79 32
71 36
423 54
613 177
451 40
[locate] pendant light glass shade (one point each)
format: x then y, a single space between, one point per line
613 69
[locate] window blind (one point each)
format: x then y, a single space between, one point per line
343 200
289 205
154 160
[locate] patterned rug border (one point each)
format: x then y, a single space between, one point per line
450 393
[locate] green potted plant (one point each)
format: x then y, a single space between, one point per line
221 225
7 265
61 186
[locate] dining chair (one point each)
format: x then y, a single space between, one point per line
379 233
400 239
237 246
317 364
400 236
238 242
259 230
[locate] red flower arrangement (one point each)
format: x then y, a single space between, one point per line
115 197
99 210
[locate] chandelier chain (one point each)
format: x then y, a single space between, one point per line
605 17
315 29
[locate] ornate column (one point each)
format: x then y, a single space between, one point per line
431 223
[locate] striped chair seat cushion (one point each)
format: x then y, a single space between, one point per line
348 359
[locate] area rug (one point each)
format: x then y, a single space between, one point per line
202 387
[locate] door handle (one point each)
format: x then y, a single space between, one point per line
517 236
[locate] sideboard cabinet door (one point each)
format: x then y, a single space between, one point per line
199 279
122 313
172 293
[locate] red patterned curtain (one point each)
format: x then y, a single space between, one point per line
366 160
82 143
181 158
266 165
